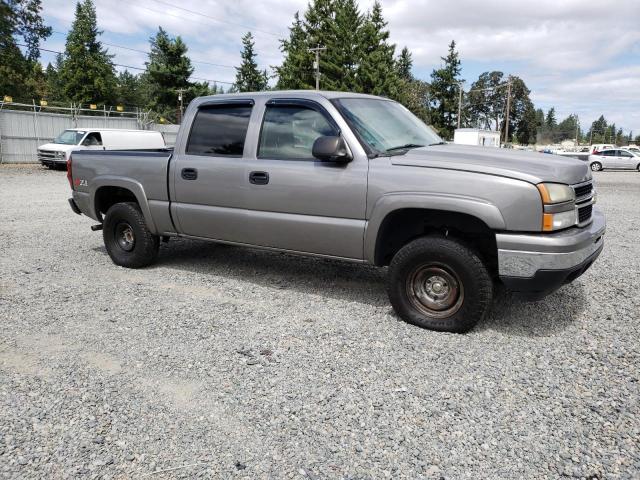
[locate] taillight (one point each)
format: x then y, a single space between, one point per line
69 172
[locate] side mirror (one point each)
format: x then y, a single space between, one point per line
331 149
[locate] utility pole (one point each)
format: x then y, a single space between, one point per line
316 63
460 101
506 123
181 106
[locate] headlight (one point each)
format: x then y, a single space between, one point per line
559 207
556 193
60 154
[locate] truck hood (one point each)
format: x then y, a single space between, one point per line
57 147
531 167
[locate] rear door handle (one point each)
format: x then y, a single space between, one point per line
189 173
259 178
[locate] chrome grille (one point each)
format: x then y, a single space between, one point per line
46 154
584 202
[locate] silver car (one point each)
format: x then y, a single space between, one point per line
619 158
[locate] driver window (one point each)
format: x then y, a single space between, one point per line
94 139
289 131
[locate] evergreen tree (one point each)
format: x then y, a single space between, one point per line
55 86
404 64
296 70
377 73
319 30
550 121
128 89
342 57
21 23
168 70
567 129
598 131
248 77
87 71
444 93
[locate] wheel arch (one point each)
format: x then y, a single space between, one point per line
107 191
398 222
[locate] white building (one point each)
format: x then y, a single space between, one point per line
476 136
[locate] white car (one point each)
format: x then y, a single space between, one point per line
57 153
618 158
633 148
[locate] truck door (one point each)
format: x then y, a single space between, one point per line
294 201
208 172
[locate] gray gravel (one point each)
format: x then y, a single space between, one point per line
221 362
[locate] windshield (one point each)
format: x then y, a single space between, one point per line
69 137
386 126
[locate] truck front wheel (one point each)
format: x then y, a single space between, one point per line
439 284
126 236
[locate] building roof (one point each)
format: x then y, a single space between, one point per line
476 130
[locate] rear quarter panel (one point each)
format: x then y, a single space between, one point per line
143 173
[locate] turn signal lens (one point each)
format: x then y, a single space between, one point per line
558 221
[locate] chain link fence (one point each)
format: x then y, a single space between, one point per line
24 127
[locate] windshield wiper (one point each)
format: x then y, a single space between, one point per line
404 147
437 143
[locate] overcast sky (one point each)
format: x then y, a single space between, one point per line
581 56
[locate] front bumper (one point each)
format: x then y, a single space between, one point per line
539 264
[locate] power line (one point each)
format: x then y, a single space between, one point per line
215 19
147 53
137 68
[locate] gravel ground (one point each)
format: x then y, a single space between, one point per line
221 362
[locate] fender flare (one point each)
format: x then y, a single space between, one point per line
130 184
387 204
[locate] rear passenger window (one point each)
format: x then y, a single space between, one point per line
289 131
219 130
609 153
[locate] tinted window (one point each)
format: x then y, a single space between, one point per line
219 130
625 154
609 153
288 132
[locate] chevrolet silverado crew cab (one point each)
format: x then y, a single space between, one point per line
356 178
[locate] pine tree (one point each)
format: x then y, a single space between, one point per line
168 70
342 57
404 64
550 121
444 92
55 86
128 89
377 73
295 71
320 32
87 71
248 77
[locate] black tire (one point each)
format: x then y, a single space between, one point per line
596 166
427 268
126 236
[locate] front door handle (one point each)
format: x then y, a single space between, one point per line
189 173
259 178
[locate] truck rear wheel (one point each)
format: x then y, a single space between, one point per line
439 284
126 237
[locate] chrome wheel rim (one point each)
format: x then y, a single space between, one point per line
125 238
435 290
595 167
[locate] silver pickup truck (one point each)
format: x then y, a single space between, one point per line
356 178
